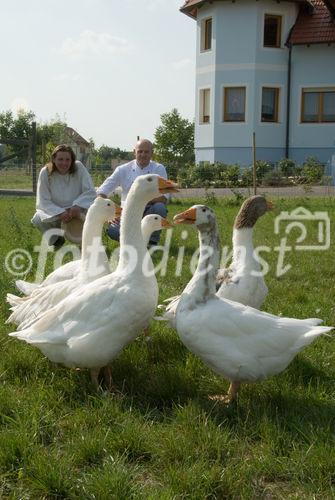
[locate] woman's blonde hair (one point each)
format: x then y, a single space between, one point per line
64 148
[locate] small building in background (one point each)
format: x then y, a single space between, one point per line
80 146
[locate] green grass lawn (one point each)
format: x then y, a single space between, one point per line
20 179
12 179
160 437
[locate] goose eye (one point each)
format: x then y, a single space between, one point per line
204 210
149 179
108 204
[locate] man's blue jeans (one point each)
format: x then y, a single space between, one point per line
158 208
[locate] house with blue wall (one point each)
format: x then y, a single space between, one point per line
265 67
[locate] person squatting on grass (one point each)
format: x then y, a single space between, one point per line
124 176
65 190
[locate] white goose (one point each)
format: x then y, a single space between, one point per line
236 341
242 281
62 273
91 232
92 325
92 265
151 223
31 308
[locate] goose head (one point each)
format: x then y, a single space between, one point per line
251 210
201 216
151 223
151 186
154 222
103 209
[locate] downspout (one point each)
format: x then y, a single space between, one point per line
288 107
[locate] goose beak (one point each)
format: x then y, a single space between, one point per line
118 211
166 186
166 223
187 217
270 205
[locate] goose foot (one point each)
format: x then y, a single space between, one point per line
230 396
105 374
94 372
107 378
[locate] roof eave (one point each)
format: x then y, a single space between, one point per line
323 42
189 13
191 10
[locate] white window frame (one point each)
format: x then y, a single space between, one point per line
280 100
203 23
202 115
317 89
231 86
274 14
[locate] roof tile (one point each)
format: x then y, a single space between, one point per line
315 27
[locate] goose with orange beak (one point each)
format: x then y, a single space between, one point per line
243 280
72 269
94 323
239 342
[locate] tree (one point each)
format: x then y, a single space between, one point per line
105 154
49 134
174 141
17 128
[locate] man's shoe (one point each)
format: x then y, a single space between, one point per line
58 243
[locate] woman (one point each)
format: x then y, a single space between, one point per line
64 190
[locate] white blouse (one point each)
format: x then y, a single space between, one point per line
56 192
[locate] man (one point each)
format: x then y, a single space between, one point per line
124 176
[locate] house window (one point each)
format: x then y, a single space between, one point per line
234 104
318 105
272 31
270 104
206 34
205 101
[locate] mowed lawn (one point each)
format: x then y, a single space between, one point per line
160 437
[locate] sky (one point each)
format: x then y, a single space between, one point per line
109 68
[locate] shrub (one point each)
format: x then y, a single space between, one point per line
232 175
287 167
183 176
313 170
262 167
272 178
246 177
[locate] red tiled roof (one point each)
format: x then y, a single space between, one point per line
317 26
77 138
313 25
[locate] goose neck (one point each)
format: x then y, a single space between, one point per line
91 239
202 285
242 238
132 244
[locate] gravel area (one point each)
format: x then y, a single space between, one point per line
279 192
